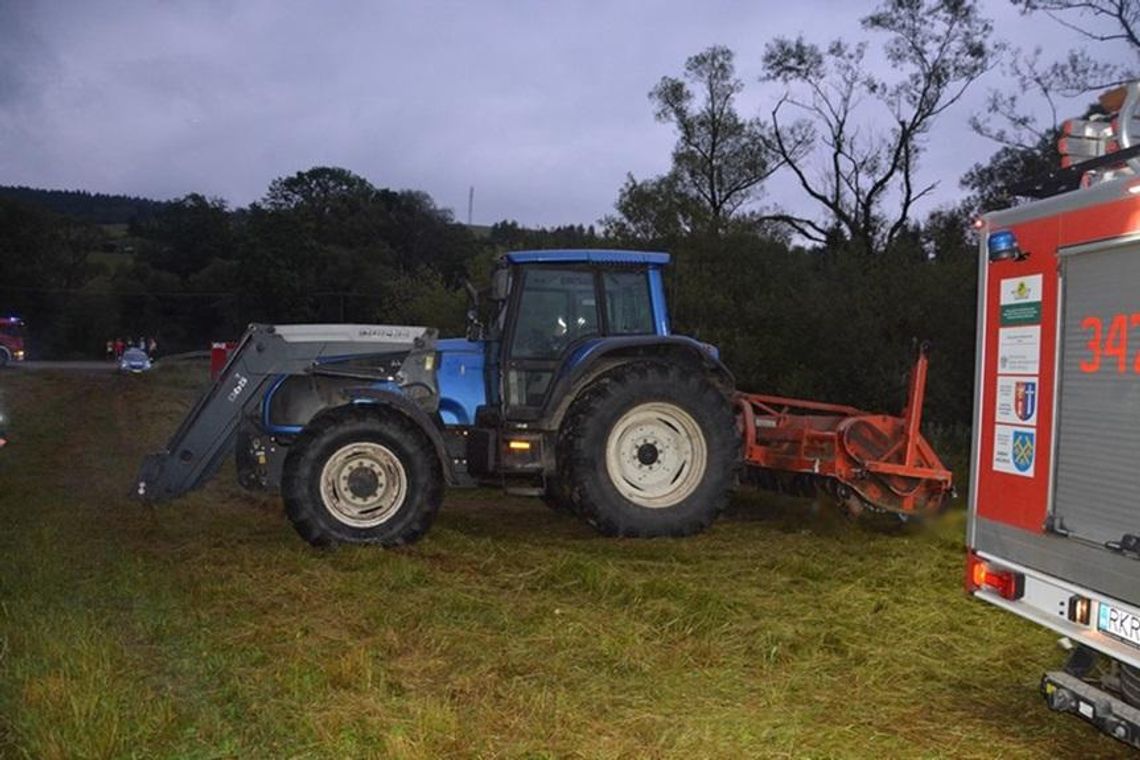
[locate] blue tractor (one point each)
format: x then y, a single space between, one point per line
573 390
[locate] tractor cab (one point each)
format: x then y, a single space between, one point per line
545 313
556 306
552 314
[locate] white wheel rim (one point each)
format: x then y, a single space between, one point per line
656 455
363 484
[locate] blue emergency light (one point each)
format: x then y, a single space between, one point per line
1003 246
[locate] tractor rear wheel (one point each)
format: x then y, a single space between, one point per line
650 450
362 476
557 496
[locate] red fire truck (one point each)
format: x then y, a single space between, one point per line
1054 528
11 340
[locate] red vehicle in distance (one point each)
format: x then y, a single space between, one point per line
11 340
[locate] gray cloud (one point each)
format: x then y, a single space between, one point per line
541 106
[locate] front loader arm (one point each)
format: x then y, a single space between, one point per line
206 435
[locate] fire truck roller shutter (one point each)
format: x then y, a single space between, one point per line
1097 494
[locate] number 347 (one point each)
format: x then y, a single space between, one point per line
1112 344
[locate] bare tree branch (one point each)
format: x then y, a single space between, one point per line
940 48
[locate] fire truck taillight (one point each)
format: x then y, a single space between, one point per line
979 575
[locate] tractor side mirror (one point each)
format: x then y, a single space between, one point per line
500 284
474 325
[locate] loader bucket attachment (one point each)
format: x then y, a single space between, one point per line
863 460
263 355
206 435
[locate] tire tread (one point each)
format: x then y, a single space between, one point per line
577 461
308 515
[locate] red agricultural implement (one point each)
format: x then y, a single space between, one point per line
863 460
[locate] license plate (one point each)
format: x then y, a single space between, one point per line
1118 623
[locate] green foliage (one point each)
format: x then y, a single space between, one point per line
720 158
999 181
832 324
323 245
652 213
510 236
188 235
95 208
43 257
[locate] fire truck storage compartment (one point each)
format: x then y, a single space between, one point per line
1063 515
1097 491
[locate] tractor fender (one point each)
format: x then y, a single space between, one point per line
400 403
594 358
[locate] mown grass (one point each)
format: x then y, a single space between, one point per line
207 629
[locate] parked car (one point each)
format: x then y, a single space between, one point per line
134 360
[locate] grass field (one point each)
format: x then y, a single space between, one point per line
207 629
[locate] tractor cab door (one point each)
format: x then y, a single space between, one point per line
548 311
551 308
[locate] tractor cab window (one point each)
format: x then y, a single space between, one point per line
557 307
628 308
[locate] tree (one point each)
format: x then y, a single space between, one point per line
720 158
654 212
996 183
719 161
320 191
1010 120
186 235
940 46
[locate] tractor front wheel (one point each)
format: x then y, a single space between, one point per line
650 450
362 476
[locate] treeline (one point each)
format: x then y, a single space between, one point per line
97 208
321 245
325 245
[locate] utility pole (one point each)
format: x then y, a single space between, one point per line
470 204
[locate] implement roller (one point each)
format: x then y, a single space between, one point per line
863 460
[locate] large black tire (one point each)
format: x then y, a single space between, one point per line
558 496
4 356
362 475
649 450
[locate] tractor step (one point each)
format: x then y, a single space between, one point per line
524 490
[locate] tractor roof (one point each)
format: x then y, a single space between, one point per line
588 256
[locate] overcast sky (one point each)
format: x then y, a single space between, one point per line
541 106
